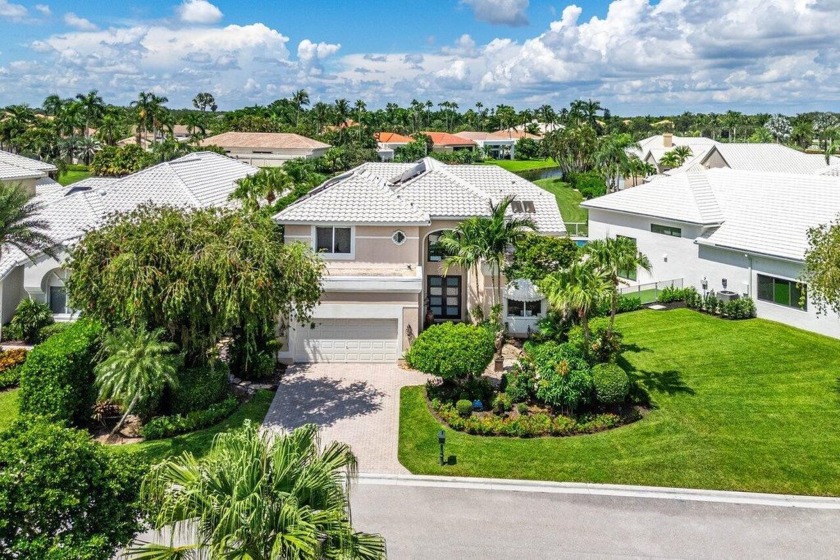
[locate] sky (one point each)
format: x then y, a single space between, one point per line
635 56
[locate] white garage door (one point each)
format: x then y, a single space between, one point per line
348 340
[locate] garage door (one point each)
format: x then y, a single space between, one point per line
349 340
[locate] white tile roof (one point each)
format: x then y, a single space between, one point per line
763 213
830 171
9 172
432 188
655 146
197 180
770 157
8 158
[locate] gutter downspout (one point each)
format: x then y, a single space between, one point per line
750 281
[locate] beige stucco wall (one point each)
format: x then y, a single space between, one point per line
369 297
27 184
715 161
276 158
372 244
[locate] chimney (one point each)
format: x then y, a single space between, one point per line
667 140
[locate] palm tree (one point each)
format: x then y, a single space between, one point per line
300 99
20 226
613 256
137 367
578 288
111 130
204 100
258 496
92 106
612 157
464 248
87 148
266 184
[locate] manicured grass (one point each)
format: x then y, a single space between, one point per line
647 296
568 199
521 164
199 442
73 175
8 407
739 405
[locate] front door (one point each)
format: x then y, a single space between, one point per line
445 297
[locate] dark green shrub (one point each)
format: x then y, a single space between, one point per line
30 317
168 426
590 184
711 304
464 407
199 387
57 380
612 385
742 308
452 351
63 496
552 327
625 305
520 382
670 294
502 403
603 345
522 408
52 330
565 381
693 299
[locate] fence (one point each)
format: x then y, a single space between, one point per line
577 229
649 291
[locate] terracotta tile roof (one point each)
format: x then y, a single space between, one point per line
446 139
266 140
392 138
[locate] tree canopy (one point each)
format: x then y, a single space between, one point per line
198 275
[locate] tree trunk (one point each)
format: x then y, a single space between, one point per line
122 420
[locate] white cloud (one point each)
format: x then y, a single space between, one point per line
500 12
199 11
79 23
43 9
312 54
11 11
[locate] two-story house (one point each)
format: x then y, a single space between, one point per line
377 227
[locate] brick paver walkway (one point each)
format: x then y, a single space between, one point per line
356 404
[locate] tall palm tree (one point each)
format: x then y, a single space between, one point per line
258 496
300 99
204 100
266 184
613 256
613 159
577 288
20 226
137 367
464 248
93 107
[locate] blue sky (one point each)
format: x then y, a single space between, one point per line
636 56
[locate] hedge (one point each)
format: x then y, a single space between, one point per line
452 350
199 387
612 384
57 380
168 426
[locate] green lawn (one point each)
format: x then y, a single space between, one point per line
8 407
199 442
739 405
647 296
568 200
515 165
73 175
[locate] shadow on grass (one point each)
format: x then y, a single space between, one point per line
669 382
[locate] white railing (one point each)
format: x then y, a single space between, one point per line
648 292
577 229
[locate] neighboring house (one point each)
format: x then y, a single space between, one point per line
267 149
180 132
497 145
388 142
445 142
197 180
652 149
737 231
33 175
376 227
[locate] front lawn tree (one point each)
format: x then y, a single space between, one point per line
578 289
822 267
616 257
198 275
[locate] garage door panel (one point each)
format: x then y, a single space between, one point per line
349 340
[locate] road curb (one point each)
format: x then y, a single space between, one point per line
617 490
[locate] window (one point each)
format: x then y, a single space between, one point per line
434 250
333 240
666 230
783 292
58 300
521 207
523 308
628 274
445 297
398 238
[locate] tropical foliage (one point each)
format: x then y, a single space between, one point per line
28 321
258 496
19 225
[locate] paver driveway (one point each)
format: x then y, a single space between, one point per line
356 404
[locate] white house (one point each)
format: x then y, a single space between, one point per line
267 149
33 175
736 231
197 180
497 145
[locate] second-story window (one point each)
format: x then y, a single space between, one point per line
435 252
333 240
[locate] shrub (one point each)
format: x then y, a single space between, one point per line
464 407
670 294
520 382
452 351
522 408
30 317
57 380
693 299
565 381
742 308
604 346
502 403
168 426
10 362
63 496
625 305
612 385
52 330
199 387
711 303
590 184
552 327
